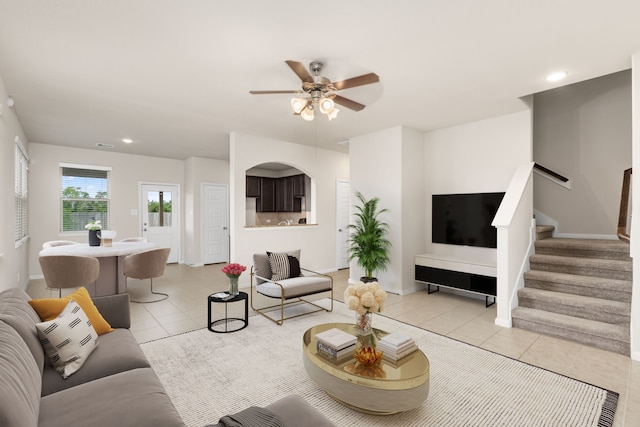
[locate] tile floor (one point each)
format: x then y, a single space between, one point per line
459 317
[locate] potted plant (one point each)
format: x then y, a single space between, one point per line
94 227
367 243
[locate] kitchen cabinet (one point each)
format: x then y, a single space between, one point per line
267 200
284 195
298 185
286 200
277 194
253 186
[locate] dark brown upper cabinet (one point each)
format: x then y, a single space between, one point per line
253 186
267 199
298 185
277 194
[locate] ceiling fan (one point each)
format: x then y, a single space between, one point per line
321 91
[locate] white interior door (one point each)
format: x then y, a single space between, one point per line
215 223
160 215
342 223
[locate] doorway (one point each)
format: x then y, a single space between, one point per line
343 200
160 216
215 223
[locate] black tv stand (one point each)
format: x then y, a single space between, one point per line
486 297
466 275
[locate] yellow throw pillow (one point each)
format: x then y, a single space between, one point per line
50 308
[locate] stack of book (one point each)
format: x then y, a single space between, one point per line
336 345
396 346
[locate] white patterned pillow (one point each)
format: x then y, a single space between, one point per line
68 339
283 265
279 265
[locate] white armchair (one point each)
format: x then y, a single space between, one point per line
278 276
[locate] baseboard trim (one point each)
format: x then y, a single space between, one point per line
503 323
587 236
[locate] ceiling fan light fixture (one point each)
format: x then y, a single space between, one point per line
326 105
307 113
320 91
298 104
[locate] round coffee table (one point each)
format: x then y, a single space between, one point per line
387 389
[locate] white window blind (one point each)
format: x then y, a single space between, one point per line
21 228
84 196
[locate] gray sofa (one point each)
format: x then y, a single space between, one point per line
116 386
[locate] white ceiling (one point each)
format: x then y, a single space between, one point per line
175 75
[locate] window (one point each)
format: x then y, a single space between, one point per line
156 199
21 196
84 196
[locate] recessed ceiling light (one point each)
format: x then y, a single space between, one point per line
127 140
557 76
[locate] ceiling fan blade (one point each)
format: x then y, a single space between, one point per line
271 92
300 70
364 79
345 102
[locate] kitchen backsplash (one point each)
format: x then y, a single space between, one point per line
275 218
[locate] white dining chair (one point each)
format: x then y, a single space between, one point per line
54 243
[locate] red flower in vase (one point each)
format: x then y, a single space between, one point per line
233 270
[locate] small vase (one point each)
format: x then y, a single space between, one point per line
233 286
94 240
363 322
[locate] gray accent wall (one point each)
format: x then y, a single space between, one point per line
583 131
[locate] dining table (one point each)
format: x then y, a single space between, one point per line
111 279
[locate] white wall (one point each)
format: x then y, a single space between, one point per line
413 205
635 200
474 157
14 261
583 131
388 165
375 166
325 167
127 171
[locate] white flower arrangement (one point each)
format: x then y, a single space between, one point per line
93 225
365 297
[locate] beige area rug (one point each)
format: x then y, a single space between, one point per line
210 375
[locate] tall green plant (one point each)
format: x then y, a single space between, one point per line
367 243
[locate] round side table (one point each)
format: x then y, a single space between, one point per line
227 324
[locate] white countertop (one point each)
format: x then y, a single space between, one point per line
83 249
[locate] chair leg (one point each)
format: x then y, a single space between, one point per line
158 293
285 303
165 296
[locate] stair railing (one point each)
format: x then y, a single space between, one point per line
624 218
516 229
552 176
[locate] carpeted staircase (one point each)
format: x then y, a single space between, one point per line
578 289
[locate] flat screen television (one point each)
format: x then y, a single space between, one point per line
465 219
